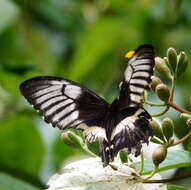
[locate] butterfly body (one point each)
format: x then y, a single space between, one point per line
123 124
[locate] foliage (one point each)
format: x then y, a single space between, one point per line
84 41
18 133
8 182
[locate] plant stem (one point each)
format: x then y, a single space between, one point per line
151 174
169 180
176 107
154 104
182 139
86 149
142 163
161 113
172 90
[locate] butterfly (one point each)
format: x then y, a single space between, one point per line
123 124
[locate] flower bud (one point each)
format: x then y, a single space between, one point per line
182 63
167 63
162 68
188 122
72 139
154 82
185 116
172 58
167 128
157 130
163 92
159 155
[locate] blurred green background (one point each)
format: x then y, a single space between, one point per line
82 40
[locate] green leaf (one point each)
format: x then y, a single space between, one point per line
174 159
123 156
9 13
13 79
94 147
89 188
39 53
10 183
95 43
22 148
174 187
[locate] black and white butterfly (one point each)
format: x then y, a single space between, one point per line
124 124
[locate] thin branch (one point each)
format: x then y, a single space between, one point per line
182 139
154 104
142 162
161 113
176 107
172 90
151 174
169 180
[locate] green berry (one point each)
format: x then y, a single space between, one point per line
167 128
172 59
182 63
72 139
163 92
154 82
157 130
162 68
159 155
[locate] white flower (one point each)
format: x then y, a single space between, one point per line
89 174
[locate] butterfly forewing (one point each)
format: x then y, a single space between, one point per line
137 76
63 103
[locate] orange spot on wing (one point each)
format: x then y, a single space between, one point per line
129 54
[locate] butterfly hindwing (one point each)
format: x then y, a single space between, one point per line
63 103
132 131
